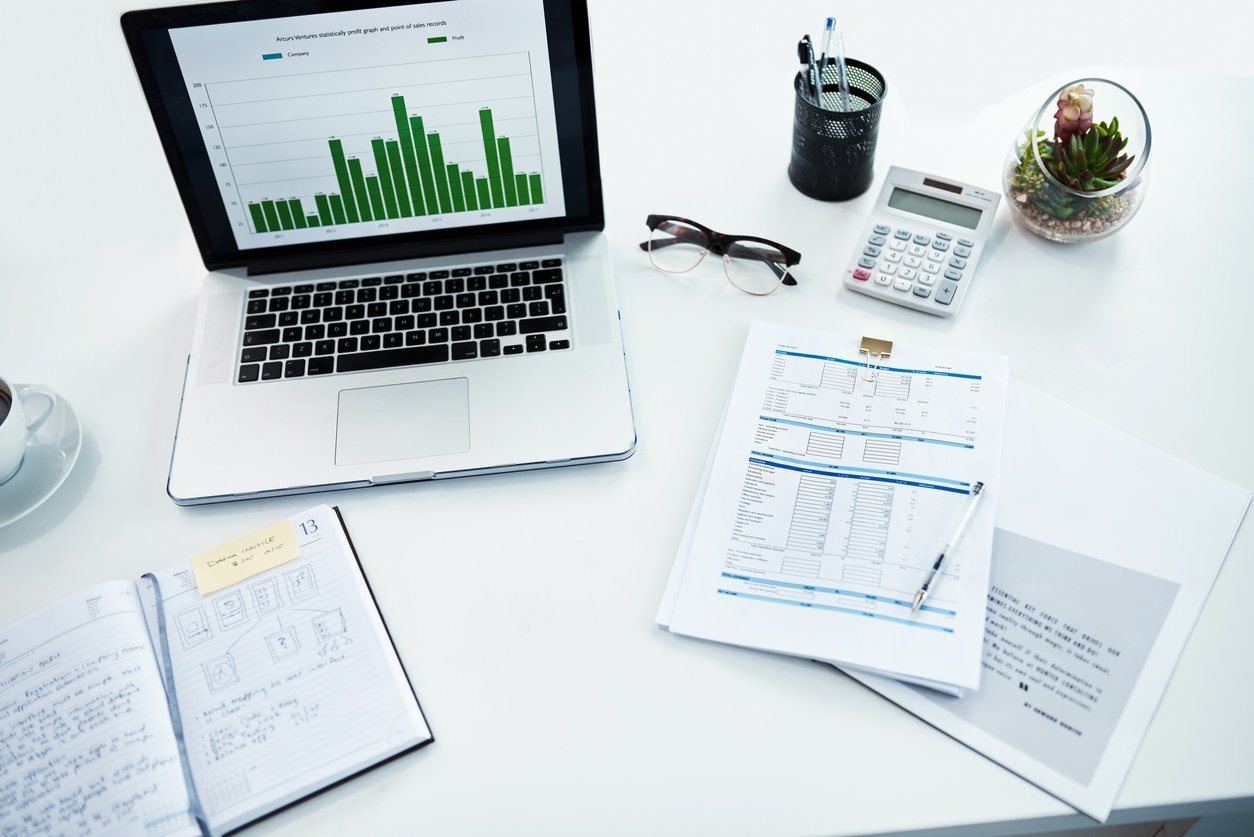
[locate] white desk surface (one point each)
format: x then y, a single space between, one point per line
523 608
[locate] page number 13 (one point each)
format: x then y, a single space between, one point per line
309 527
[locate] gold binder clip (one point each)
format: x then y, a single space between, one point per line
876 350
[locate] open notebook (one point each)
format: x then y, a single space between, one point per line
145 707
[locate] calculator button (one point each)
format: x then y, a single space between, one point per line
932 268
883 279
966 242
861 275
877 240
892 256
889 268
944 236
867 262
962 251
882 229
945 292
927 279
903 235
870 250
922 239
923 291
933 256
916 249
913 261
958 262
952 274
908 273
940 245
901 284
897 245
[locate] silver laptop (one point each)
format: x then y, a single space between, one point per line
400 209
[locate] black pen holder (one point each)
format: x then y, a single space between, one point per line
833 150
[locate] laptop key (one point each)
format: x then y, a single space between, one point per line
324 347
536 343
465 351
278 303
393 340
528 265
532 293
294 369
455 286
551 263
494 312
461 333
289 318
347 345
280 351
516 311
283 291
359 327
484 331
260 321
461 271
538 309
508 267
517 280
543 277
415 277
257 306
506 328
465 300
439 274
292 334
443 303
437 335
370 342
559 344
254 355
315 332
415 338
301 301
498 281
483 270
256 292
373 281
472 315
514 349
249 372
302 349
271 371
387 358
535 325
489 348
337 329
450 318
321 365
405 323
261 338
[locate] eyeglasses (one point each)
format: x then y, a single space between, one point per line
754 265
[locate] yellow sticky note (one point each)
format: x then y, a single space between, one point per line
245 557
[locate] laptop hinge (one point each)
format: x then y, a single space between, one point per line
391 252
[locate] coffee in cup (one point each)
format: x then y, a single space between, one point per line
18 422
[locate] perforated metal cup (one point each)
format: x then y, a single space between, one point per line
833 151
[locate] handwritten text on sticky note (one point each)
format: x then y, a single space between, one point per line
245 557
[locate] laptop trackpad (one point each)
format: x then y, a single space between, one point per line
403 421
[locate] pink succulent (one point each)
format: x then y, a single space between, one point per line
1075 113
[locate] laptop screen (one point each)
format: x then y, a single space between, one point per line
367 131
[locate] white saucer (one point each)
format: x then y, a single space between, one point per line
50 456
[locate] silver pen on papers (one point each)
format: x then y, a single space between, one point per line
977 491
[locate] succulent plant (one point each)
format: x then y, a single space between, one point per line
1075 112
1091 161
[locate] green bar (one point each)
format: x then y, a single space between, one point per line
455 187
468 190
298 212
424 165
259 217
285 215
507 172
489 150
272 217
441 177
359 190
324 209
385 179
337 209
377 204
437 40
537 196
398 177
313 221
407 154
346 187
520 183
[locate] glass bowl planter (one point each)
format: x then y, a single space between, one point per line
1047 207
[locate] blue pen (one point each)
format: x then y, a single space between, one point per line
828 27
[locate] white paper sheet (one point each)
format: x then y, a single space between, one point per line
829 497
1084 634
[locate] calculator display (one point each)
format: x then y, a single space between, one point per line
929 207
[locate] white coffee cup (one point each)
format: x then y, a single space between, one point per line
16 425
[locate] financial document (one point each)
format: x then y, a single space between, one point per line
832 488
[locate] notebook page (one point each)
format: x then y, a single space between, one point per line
86 745
286 681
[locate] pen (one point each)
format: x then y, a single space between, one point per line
976 492
842 73
805 51
828 26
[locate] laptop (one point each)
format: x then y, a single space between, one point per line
399 206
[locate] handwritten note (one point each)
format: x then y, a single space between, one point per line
245 556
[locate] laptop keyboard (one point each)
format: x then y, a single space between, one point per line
377 322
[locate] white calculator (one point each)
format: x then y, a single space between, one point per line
922 242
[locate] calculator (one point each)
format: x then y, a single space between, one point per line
922 242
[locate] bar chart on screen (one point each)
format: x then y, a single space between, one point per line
375 121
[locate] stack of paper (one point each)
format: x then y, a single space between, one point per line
829 493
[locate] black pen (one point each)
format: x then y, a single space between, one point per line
976 492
